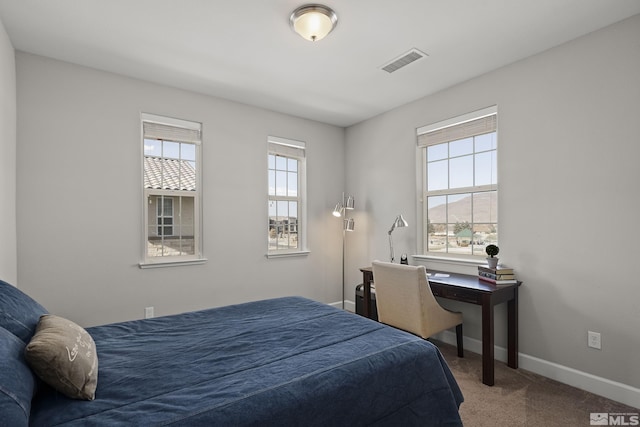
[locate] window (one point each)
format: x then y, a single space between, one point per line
165 216
286 196
171 186
460 184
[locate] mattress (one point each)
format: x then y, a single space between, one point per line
279 362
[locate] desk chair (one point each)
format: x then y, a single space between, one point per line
405 301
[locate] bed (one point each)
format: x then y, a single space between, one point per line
279 362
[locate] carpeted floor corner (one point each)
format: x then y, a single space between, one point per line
521 398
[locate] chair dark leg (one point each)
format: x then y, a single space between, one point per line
459 340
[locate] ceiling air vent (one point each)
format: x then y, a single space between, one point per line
403 60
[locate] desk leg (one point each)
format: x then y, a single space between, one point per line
512 331
366 299
487 341
367 278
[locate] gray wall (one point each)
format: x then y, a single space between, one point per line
80 210
8 254
568 126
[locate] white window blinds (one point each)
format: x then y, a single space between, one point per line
286 147
168 129
472 124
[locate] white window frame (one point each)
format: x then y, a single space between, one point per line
183 131
421 178
296 150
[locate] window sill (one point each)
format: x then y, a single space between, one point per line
288 254
145 265
450 260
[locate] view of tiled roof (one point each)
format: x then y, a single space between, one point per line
169 174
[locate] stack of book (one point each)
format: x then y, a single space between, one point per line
497 276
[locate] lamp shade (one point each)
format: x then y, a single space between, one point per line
349 224
400 222
313 22
350 204
337 211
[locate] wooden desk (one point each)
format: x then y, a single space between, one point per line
468 288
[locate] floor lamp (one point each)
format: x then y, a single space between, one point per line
348 224
399 222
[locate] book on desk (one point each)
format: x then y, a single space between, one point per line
497 276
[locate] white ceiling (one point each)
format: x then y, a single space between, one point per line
244 50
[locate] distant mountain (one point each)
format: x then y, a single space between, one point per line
485 208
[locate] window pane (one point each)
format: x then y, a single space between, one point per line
460 236
437 152
479 236
271 161
186 218
282 221
437 208
283 225
293 225
272 182
152 147
172 231
282 209
188 152
437 238
293 209
438 175
485 207
459 208
165 206
486 173
485 234
281 183
292 165
167 202
461 147
167 231
292 184
281 163
272 232
485 142
461 172
171 150
492 237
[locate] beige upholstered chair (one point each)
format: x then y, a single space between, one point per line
405 301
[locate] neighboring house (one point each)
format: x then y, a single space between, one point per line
463 237
169 174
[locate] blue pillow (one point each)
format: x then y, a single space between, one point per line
17 382
19 313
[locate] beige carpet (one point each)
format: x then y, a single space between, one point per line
521 398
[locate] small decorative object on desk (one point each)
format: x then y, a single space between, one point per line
492 251
497 276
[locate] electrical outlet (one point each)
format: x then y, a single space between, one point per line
594 340
148 312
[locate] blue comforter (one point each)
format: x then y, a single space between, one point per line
280 362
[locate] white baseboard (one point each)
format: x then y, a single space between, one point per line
348 305
613 390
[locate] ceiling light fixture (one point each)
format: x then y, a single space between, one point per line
313 21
